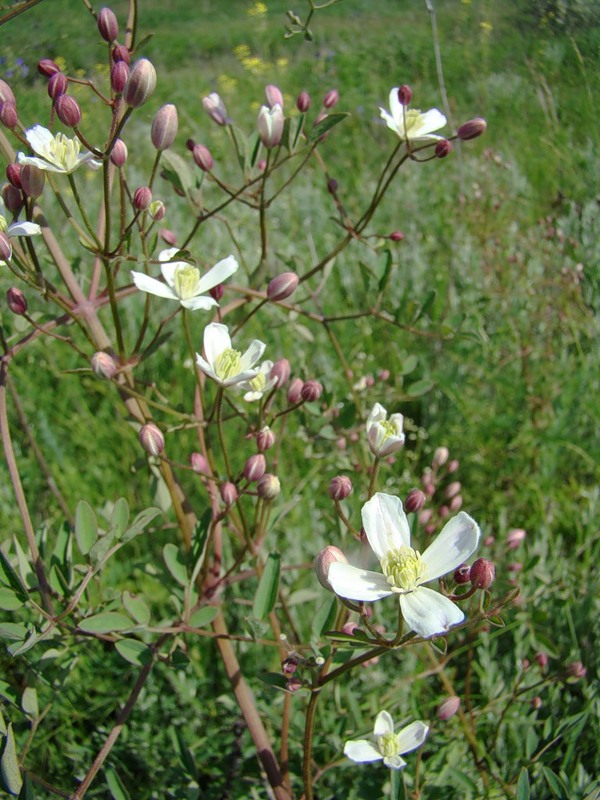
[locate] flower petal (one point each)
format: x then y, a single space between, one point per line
147 284
412 736
383 724
252 355
394 762
396 110
378 414
216 340
199 303
456 541
40 163
39 138
24 229
390 122
385 523
355 583
429 613
429 121
218 274
206 367
168 253
241 377
362 750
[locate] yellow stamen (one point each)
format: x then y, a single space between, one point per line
403 568
227 364
185 281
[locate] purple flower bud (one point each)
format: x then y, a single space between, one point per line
5 247
199 464
281 372
151 439
229 494
340 487
202 157
164 127
453 465
515 537
268 487
415 500
255 467
8 114
168 236
119 75
541 659
303 102
120 53
142 197
13 198
443 148
289 665
273 95
456 503
67 110
311 391
448 708
108 27
47 67
57 85
33 180
425 516
471 129
118 154
515 566
328 556
537 702
17 302
483 573
13 175
332 186
396 236
440 456
141 83
462 574
215 108
331 98
157 210
293 685
294 393
104 365
217 292
7 94
444 512
282 286
265 439
349 627
452 489
576 670
404 94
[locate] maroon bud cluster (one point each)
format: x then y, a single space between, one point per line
282 286
47 67
119 75
202 157
303 102
33 180
311 391
67 110
164 127
483 573
340 487
151 439
57 85
404 94
142 197
16 300
415 501
108 27
331 98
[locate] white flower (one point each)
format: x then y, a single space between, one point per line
385 435
418 126
17 228
270 125
55 153
425 611
388 745
183 281
260 384
224 364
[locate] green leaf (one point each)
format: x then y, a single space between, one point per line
273 679
134 651
18 648
266 594
419 388
140 523
326 125
86 527
11 577
29 702
523 792
136 607
426 305
115 785
119 517
9 600
203 616
106 622
176 171
175 564
13 630
2 725
356 638
185 754
556 784
100 549
387 271
199 543
9 765
325 617
409 364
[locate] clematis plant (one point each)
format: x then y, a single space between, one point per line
385 435
262 382
183 282
223 364
409 123
388 745
55 153
405 570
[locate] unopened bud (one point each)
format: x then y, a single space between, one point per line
164 127
168 236
483 573
17 302
255 467
119 75
281 372
294 393
453 465
311 391
462 574
67 110
541 659
13 198
33 180
141 83
415 500
270 122
404 94
514 566
57 85
440 456
47 67
6 93
444 511
289 665
215 108
340 487
118 154
331 98
265 439
328 556
229 494
142 197
471 129
217 292
199 464
203 157
452 489
120 53
448 708
303 102
293 685
5 247
108 27
537 702
332 186
443 148
273 95
456 503
13 175
8 114
151 439
104 365
515 537
576 670
268 487
349 627
396 236
282 286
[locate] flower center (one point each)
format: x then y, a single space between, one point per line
258 383
388 745
3 224
185 281
412 119
389 429
403 568
228 363
62 151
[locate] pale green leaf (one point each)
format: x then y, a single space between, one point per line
9 765
86 527
134 651
266 594
106 622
